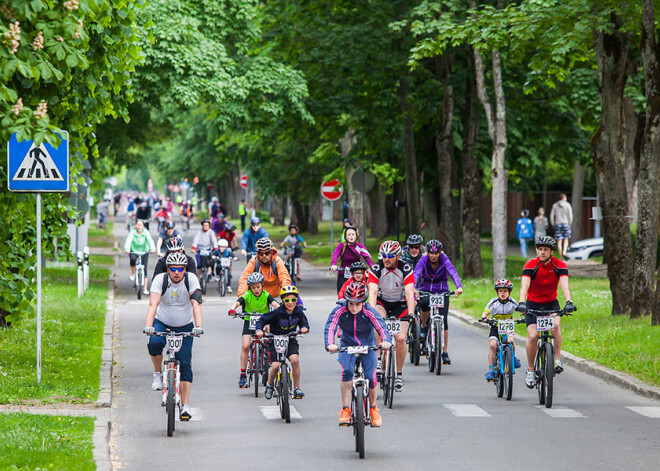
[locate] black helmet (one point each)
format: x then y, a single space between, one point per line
205 220
293 226
355 266
230 227
546 241
169 225
414 239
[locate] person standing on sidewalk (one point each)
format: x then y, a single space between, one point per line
540 224
524 231
561 218
242 212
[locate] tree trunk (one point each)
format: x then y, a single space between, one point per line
649 172
408 139
313 217
631 165
609 158
444 146
472 266
278 210
300 215
576 200
355 209
377 201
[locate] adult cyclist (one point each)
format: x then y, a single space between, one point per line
165 236
205 240
413 251
175 244
270 265
250 238
392 286
174 304
538 291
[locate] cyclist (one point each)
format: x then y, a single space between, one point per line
346 253
358 274
166 235
501 306
270 265
218 224
431 275
229 235
130 211
251 236
175 244
294 250
412 252
139 240
223 251
143 212
392 286
538 291
174 302
205 239
254 300
283 320
161 217
357 321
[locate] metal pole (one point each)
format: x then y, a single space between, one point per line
38 289
332 227
364 211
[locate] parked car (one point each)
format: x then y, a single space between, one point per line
585 249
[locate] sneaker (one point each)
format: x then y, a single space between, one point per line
145 291
298 393
422 332
131 277
229 289
559 367
242 380
157 384
345 416
268 393
516 362
376 420
185 413
530 379
445 359
490 375
398 383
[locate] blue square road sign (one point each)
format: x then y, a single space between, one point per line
43 168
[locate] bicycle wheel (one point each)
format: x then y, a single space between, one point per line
255 368
430 346
359 421
391 373
202 281
439 332
138 283
170 406
540 374
507 379
417 344
285 412
549 373
264 361
498 380
222 283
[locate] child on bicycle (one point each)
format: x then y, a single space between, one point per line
501 306
223 251
358 274
283 320
294 244
255 299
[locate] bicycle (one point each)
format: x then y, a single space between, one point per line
413 338
435 337
360 403
504 367
171 375
291 263
204 263
388 361
249 256
284 379
223 266
258 362
139 274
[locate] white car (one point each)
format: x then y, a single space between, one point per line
585 249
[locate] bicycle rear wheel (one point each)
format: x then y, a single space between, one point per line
439 332
138 283
549 373
359 421
171 402
430 346
498 380
265 365
507 358
416 344
255 368
202 281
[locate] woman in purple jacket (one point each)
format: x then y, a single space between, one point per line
346 253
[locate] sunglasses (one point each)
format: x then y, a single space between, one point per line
176 269
434 253
388 255
254 225
264 254
290 300
413 247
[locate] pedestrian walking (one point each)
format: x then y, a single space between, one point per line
561 218
524 231
540 224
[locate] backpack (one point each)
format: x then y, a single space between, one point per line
257 266
166 285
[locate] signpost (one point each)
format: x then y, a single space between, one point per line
38 169
332 191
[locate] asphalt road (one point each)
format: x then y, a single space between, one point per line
454 420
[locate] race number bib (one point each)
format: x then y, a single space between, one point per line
544 323
437 301
253 321
174 343
205 253
361 350
393 326
505 326
225 262
347 272
281 343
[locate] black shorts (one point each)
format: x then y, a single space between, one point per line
531 318
424 305
293 349
398 309
246 328
132 257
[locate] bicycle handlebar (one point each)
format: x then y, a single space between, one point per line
344 349
290 334
548 312
493 321
168 333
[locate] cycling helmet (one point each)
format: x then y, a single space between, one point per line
390 247
264 245
221 216
356 292
230 227
223 243
170 225
434 245
546 241
355 266
414 239
503 284
255 220
286 290
293 226
176 258
205 220
174 243
254 278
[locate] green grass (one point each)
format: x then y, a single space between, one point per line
95 233
46 442
72 340
101 260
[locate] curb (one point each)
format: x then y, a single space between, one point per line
586 366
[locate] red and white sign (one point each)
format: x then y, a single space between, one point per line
332 190
244 181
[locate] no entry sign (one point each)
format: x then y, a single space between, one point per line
332 190
244 181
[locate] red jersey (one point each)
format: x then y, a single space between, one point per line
228 236
364 281
544 279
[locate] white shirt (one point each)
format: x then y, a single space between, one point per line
174 308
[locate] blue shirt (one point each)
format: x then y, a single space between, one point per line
524 228
250 238
356 329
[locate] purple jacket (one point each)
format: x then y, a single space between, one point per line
435 281
353 253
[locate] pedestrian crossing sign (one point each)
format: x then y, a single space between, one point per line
42 168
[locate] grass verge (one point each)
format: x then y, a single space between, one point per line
46 442
72 340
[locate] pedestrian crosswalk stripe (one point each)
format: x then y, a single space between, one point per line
561 412
273 412
37 165
651 412
466 410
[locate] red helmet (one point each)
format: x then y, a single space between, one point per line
503 284
390 247
356 292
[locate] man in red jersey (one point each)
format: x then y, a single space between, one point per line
538 291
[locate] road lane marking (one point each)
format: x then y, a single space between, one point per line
651 412
138 301
561 412
273 412
467 410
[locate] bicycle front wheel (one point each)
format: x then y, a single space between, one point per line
285 411
439 332
549 372
255 369
540 374
430 346
507 379
223 283
202 281
359 421
499 378
171 402
138 283
391 374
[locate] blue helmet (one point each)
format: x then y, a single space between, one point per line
255 220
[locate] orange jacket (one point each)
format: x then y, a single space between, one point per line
272 282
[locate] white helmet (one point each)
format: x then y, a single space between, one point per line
223 243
